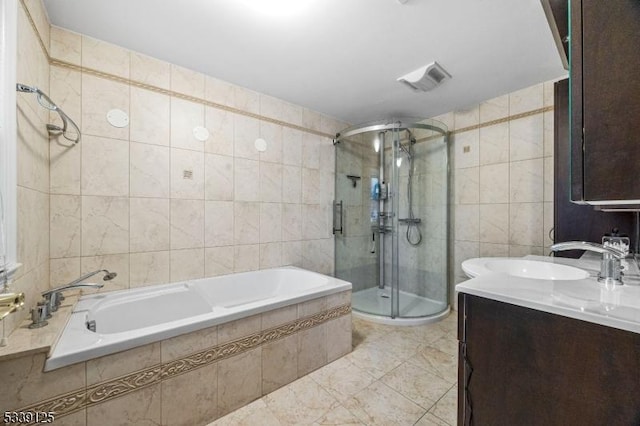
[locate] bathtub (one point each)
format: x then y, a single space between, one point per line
105 323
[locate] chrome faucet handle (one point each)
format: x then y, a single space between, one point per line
610 265
54 296
52 300
56 301
39 315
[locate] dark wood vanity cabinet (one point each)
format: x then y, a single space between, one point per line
519 366
605 100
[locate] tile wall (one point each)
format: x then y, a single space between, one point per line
156 205
120 199
33 160
502 173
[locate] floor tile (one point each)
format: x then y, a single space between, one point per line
424 334
374 360
300 402
338 415
437 362
418 385
398 345
367 331
431 420
447 408
450 323
446 344
342 379
378 404
256 413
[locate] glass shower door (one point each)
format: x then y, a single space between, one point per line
356 218
421 231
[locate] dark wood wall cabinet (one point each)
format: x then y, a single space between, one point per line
557 12
605 101
573 221
519 366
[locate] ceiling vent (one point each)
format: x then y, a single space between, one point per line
425 78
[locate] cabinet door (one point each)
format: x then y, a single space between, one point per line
526 367
609 45
574 221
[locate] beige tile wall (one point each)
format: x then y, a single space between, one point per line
33 161
120 199
502 174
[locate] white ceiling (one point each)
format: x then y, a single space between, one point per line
339 57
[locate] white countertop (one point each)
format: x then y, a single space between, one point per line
585 299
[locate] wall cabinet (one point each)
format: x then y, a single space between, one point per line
557 12
605 101
519 366
575 221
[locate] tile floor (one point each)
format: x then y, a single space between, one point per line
394 376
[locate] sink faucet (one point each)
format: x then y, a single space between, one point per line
610 266
54 297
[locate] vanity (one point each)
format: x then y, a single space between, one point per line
541 351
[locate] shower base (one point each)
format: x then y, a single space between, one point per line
414 310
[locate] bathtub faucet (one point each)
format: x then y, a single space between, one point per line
54 297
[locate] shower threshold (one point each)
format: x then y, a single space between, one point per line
371 304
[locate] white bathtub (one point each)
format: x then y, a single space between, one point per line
130 318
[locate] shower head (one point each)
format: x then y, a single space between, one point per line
110 275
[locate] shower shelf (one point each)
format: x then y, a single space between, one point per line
381 229
410 221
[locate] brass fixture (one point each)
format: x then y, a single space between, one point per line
9 303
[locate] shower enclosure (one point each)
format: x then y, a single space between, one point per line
390 219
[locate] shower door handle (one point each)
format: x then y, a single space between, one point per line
336 205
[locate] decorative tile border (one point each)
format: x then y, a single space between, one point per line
481 125
504 119
118 79
71 402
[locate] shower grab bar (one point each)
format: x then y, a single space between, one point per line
337 204
46 102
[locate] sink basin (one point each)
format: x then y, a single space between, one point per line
524 268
